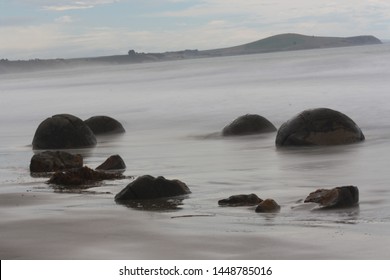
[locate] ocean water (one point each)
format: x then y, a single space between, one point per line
173 112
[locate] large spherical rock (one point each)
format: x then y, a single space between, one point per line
248 124
149 187
321 126
104 125
63 131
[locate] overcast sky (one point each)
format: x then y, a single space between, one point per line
65 28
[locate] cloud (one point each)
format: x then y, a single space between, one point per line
77 5
61 8
65 19
24 40
276 12
203 24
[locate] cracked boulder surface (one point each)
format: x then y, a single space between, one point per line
319 127
63 131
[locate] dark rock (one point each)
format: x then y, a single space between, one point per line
113 163
63 131
104 125
149 187
248 124
268 206
51 161
81 176
240 200
319 126
338 197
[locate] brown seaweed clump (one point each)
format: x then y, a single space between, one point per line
82 176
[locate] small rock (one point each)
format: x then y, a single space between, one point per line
149 187
248 124
241 200
81 176
113 163
268 206
338 197
104 125
51 161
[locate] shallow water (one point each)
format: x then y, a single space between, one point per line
172 112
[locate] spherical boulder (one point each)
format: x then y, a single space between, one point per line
321 126
248 124
104 125
149 187
63 131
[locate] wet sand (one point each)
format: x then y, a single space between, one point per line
73 226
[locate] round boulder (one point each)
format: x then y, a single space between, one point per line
63 131
321 126
104 125
149 187
248 124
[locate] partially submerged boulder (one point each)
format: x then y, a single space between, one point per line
81 176
63 131
104 125
268 206
51 161
149 187
113 163
241 200
321 126
338 197
248 124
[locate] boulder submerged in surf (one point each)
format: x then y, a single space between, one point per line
247 125
104 125
319 127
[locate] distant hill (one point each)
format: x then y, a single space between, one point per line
291 41
277 43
